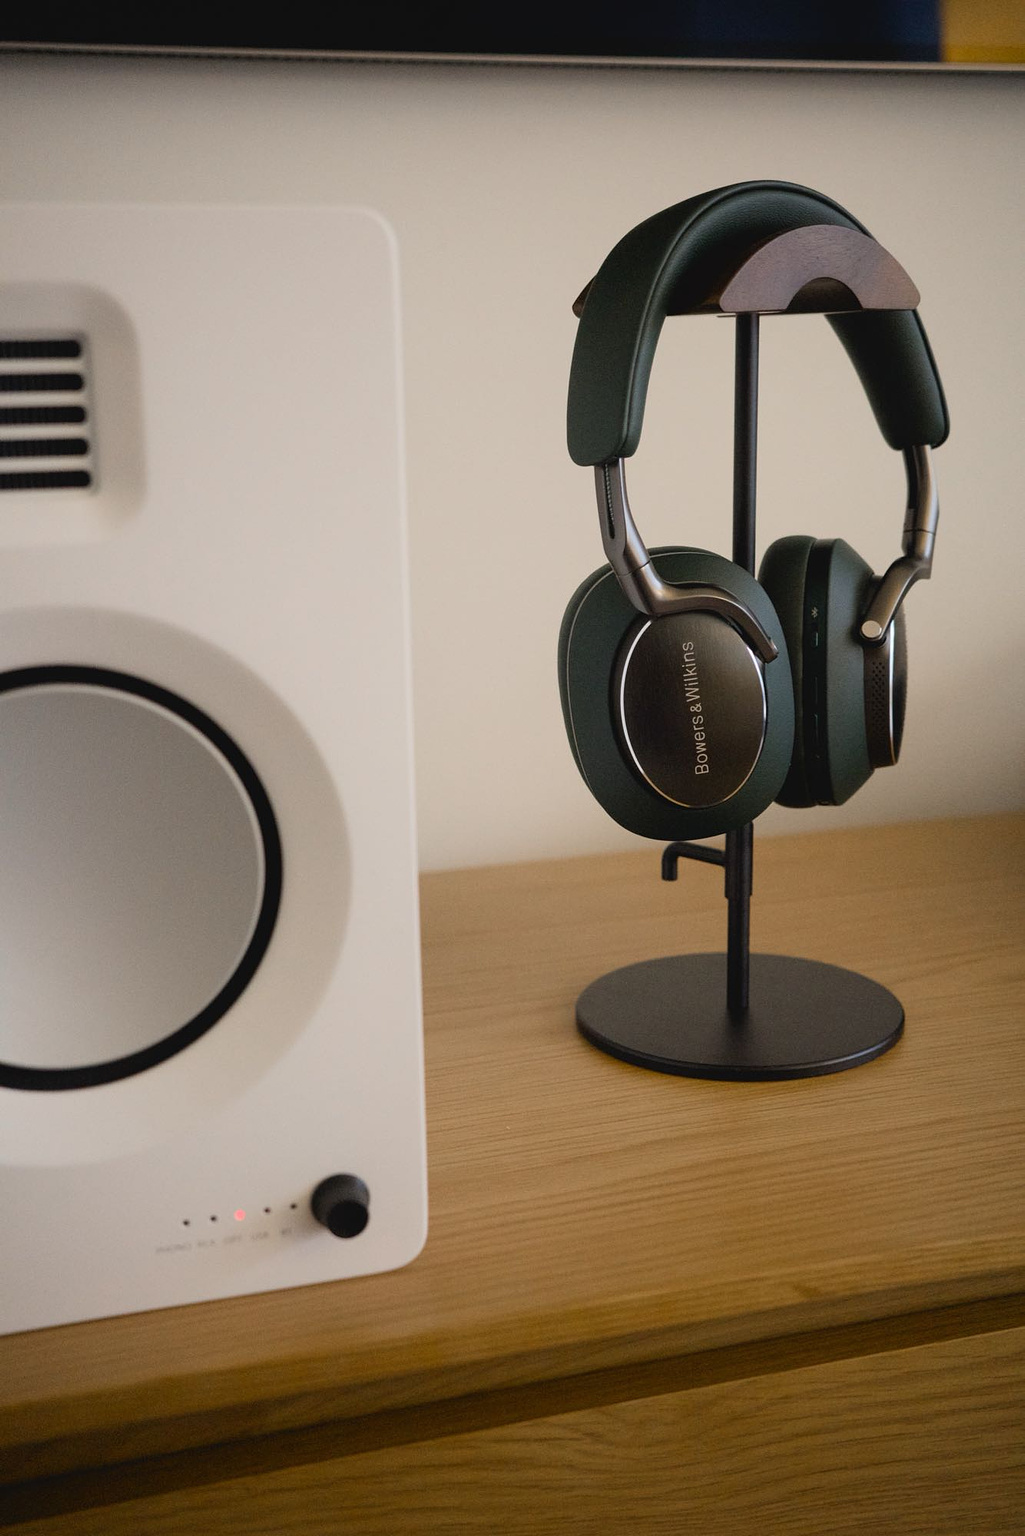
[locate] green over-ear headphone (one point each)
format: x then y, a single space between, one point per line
693 694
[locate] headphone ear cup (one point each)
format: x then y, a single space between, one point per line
819 588
782 573
594 632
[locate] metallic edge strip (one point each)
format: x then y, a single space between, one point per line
574 61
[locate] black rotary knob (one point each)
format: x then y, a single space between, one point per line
342 1204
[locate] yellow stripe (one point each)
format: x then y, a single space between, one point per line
983 31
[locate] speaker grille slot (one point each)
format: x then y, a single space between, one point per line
56 398
39 383
46 480
42 447
40 415
48 348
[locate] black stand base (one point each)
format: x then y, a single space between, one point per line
805 1018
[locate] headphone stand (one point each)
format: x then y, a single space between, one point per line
738 1015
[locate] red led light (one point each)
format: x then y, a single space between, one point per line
240 1215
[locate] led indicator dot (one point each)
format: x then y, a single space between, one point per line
240 1215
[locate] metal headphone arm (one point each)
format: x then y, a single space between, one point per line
915 564
641 583
650 595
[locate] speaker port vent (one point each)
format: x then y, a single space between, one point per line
47 348
47 397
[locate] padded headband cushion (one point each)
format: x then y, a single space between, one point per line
669 265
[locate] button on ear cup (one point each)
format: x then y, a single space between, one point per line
819 588
598 626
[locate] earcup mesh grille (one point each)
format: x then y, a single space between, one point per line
886 696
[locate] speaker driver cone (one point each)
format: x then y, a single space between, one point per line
140 875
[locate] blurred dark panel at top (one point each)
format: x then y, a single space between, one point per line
901 31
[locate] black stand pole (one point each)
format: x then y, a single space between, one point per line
781 1017
740 844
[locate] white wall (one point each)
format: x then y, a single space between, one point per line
507 186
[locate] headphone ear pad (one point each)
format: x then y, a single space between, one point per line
594 629
782 574
819 588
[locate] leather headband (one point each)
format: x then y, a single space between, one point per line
672 262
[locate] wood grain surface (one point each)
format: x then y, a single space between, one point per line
830 267
923 1440
587 1216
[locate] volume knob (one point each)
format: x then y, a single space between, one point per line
342 1204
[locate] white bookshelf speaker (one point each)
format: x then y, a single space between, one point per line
211 1060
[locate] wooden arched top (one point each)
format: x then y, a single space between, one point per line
821 267
818 269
